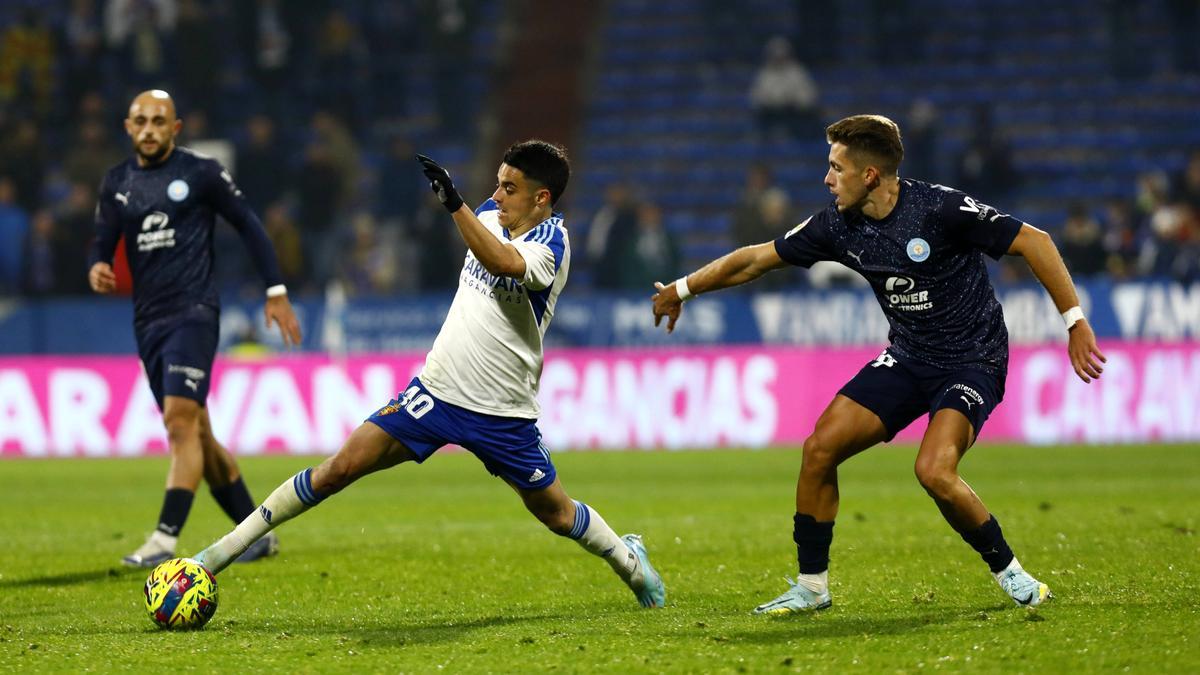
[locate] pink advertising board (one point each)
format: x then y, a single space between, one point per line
653 398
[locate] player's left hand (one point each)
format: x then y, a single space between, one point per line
279 310
1086 357
440 183
666 303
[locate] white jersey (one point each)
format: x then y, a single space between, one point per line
488 355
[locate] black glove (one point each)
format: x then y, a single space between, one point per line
440 183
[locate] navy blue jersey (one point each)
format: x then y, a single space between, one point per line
925 263
167 213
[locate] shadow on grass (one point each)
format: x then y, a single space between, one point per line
73 578
778 630
400 633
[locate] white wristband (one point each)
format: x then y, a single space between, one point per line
1072 315
276 291
681 288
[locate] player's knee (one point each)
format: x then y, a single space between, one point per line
333 475
819 455
181 425
937 478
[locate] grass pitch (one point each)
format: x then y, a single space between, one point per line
439 568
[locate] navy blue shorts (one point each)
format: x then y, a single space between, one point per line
510 447
899 390
178 353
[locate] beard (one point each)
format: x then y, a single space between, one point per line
156 156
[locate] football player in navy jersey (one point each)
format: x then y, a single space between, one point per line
164 201
921 247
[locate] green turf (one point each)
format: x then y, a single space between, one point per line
421 569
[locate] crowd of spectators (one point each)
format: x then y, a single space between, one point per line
312 100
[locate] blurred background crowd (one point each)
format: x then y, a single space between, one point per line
693 125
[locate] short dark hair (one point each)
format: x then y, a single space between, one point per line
544 162
873 135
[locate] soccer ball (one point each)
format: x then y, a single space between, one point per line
181 594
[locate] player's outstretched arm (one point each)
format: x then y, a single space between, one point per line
732 269
496 257
1043 258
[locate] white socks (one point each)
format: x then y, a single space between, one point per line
293 497
817 583
163 540
1014 565
594 535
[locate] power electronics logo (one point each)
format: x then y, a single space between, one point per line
155 234
901 294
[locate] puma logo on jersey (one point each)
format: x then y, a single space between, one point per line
123 198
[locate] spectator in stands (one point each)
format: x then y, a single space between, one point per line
985 168
28 62
138 31
1121 238
748 226
23 160
268 32
1186 185
1170 250
368 267
650 254
93 152
1081 246
331 130
82 52
14 227
613 224
262 177
285 237
767 218
319 187
342 67
784 96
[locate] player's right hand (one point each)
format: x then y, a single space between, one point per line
1086 357
666 303
101 278
279 310
440 183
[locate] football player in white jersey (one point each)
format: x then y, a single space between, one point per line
479 386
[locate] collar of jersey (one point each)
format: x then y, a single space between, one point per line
553 215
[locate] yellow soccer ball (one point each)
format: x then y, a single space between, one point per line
181 594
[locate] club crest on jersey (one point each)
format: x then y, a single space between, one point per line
178 190
918 249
